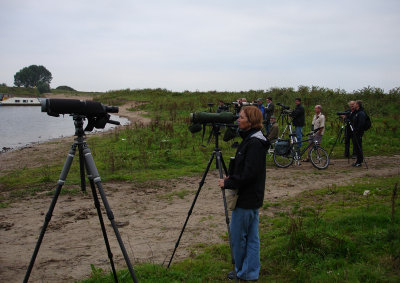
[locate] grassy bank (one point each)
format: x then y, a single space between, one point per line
335 234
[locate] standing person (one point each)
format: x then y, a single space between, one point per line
348 134
298 115
261 107
269 109
222 107
358 123
248 176
318 122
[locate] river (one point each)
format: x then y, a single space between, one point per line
24 125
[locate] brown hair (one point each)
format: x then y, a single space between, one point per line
254 116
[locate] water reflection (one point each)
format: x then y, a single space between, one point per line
23 125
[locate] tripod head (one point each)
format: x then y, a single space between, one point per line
284 114
95 112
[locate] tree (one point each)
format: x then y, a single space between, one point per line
43 87
31 76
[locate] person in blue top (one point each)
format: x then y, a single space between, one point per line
261 107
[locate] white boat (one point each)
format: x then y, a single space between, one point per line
20 101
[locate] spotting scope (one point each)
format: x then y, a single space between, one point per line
55 107
95 112
207 117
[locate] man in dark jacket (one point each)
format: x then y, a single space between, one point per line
269 109
358 122
298 115
247 176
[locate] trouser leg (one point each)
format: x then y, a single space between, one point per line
246 243
357 143
299 135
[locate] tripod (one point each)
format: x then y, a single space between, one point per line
346 126
215 131
340 133
86 160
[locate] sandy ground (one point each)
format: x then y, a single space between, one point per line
150 214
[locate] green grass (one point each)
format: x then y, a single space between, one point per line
328 235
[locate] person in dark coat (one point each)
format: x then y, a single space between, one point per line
269 109
248 176
298 115
358 122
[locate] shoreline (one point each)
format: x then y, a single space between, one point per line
123 112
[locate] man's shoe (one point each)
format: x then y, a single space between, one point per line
231 275
357 164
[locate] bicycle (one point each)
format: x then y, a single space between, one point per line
286 152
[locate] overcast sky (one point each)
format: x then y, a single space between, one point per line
103 45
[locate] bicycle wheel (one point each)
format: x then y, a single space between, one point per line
283 161
319 157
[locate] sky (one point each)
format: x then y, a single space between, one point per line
224 45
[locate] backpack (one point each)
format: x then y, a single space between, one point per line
367 124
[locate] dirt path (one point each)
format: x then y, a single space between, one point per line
151 215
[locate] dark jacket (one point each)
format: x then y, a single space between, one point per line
269 111
358 121
249 172
298 115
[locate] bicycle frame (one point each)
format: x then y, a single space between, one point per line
298 155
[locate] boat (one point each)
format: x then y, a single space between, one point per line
20 101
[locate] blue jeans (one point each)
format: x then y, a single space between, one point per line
299 135
245 243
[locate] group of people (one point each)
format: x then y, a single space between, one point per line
248 174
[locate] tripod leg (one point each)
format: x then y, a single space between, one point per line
191 207
91 167
337 138
60 183
82 167
103 228
221 163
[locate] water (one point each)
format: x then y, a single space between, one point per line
23 125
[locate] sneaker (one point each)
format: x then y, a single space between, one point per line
356 164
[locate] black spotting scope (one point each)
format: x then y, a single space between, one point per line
283 106
207 117
95 112
54 107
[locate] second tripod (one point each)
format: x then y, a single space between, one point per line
215 132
